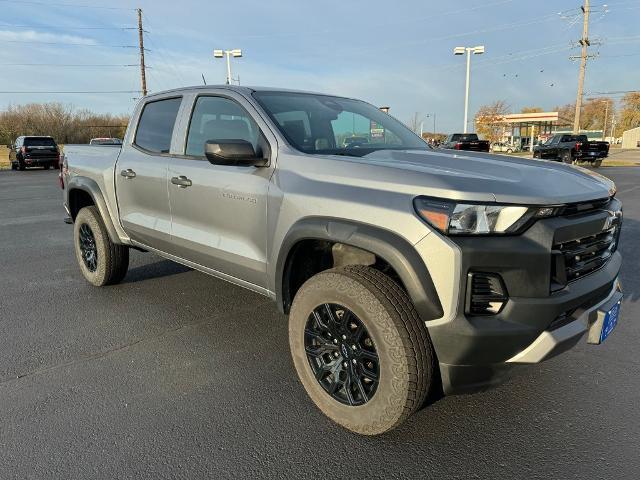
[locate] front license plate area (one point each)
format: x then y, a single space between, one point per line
610 321
604 320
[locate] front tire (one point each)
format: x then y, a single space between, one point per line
101 261
361 351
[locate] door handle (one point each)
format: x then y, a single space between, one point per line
128 173
181 181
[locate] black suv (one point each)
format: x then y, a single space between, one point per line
34 152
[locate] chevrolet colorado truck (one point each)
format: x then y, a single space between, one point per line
405 271
572 148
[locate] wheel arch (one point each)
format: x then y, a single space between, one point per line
397 252
82 192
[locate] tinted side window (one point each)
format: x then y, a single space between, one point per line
155 127
217 118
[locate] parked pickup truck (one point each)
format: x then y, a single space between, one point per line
466 141
405 271
572 148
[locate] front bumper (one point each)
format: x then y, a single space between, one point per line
552 342
479 356
539 319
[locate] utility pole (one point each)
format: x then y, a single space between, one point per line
143 75
584 42
604 123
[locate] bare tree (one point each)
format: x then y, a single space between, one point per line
62 122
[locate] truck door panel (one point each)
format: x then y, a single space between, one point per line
219 220
141 176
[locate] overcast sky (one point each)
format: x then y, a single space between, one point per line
388 53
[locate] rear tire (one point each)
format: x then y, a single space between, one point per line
21 166
13 166
101 261
47 166
406 362
565 157
597 163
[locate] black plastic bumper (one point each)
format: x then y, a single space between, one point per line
473 350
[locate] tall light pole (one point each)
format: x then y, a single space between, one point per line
236 52
428 115
479 50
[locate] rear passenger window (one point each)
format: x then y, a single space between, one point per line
155 127
217 118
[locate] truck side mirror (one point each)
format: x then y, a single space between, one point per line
233 152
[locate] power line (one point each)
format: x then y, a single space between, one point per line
69 65
53 27
74 5
67 43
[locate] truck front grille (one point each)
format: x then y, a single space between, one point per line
577 258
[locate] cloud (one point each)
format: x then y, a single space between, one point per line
42 37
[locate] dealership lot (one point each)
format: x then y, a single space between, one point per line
177 374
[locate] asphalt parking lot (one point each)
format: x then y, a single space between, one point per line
174 374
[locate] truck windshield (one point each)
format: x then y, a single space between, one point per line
320 124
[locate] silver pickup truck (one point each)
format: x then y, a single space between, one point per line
405 271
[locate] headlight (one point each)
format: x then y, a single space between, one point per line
454 218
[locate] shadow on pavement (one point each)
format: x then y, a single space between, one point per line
163 268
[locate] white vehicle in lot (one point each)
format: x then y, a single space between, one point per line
504 148
404 270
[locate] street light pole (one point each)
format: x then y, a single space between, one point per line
466 93
236 52
228 67
468 51
428 115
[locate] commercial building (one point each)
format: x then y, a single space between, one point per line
631 138
526 129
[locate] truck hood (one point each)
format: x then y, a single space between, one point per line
477 176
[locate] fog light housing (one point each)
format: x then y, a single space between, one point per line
486 294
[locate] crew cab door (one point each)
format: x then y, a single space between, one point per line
141 174
219 212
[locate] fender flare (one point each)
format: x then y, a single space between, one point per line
395 250
91 187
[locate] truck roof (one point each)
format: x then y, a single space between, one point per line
237 88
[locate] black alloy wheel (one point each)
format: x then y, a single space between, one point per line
88 248
342 355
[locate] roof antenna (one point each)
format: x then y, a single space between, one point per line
203 79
